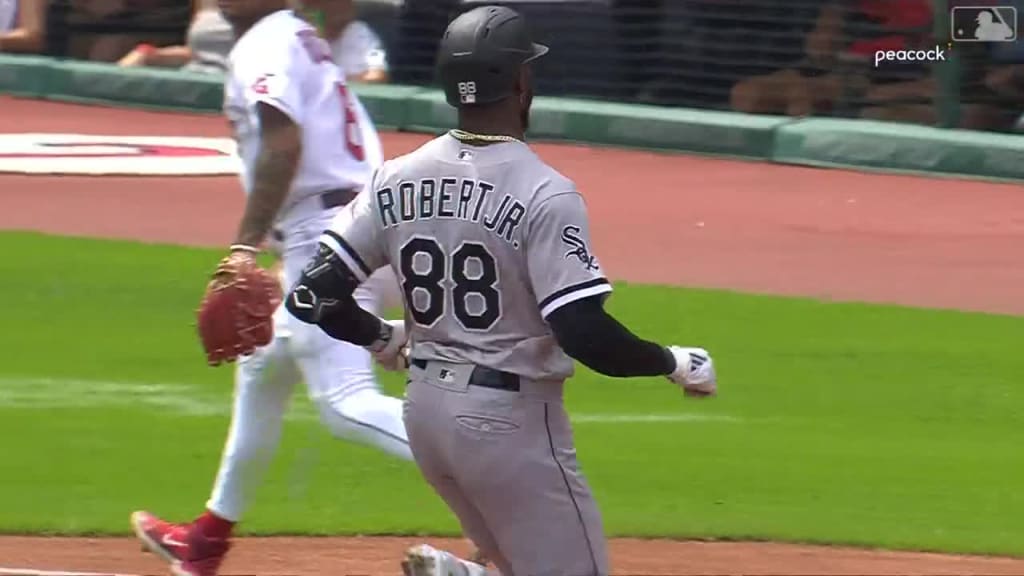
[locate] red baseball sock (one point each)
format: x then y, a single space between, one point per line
214 526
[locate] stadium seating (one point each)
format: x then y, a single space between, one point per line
582 37
707 45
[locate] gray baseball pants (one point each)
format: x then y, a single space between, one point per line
505 463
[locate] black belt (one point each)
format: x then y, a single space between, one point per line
484 377
338 197
328 200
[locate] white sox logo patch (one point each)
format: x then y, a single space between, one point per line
577 247
117 155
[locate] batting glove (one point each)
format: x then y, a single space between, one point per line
394 354
695 372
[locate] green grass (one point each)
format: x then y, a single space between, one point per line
838 423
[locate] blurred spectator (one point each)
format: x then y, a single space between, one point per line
356 48
637 24
838 57
1007 81
706 45
23 26
106 30
208 41
990 84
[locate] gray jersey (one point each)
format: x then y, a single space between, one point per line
486 241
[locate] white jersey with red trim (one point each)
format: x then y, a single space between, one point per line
282 62
8 15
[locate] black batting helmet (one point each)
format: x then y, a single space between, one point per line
481 54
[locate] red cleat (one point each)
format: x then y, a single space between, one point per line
186 548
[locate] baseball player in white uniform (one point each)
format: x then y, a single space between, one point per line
492 250
308 147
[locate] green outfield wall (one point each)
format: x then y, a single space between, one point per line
812 142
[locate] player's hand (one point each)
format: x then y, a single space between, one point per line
695 371
395 354
231 265
396 363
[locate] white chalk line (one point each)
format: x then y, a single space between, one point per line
30 572
597 418
194 400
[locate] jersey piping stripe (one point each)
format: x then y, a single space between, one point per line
573 293
331 241
373 428
335 242
568 489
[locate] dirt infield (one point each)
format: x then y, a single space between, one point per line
378 557
656 218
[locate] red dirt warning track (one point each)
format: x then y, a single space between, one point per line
657 218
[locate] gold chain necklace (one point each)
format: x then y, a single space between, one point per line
464 135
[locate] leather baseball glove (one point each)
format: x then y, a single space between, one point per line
236 314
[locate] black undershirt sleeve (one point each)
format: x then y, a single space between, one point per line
590 335
353 324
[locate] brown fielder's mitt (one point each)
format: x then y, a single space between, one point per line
236 314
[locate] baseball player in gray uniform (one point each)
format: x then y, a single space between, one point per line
491 247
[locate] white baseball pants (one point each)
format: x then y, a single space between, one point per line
338 375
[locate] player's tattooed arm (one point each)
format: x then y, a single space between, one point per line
276 165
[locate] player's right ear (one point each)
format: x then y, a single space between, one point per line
524 88
523 82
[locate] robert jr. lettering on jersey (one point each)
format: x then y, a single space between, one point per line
458 198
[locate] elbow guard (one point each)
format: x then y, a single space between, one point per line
326 284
